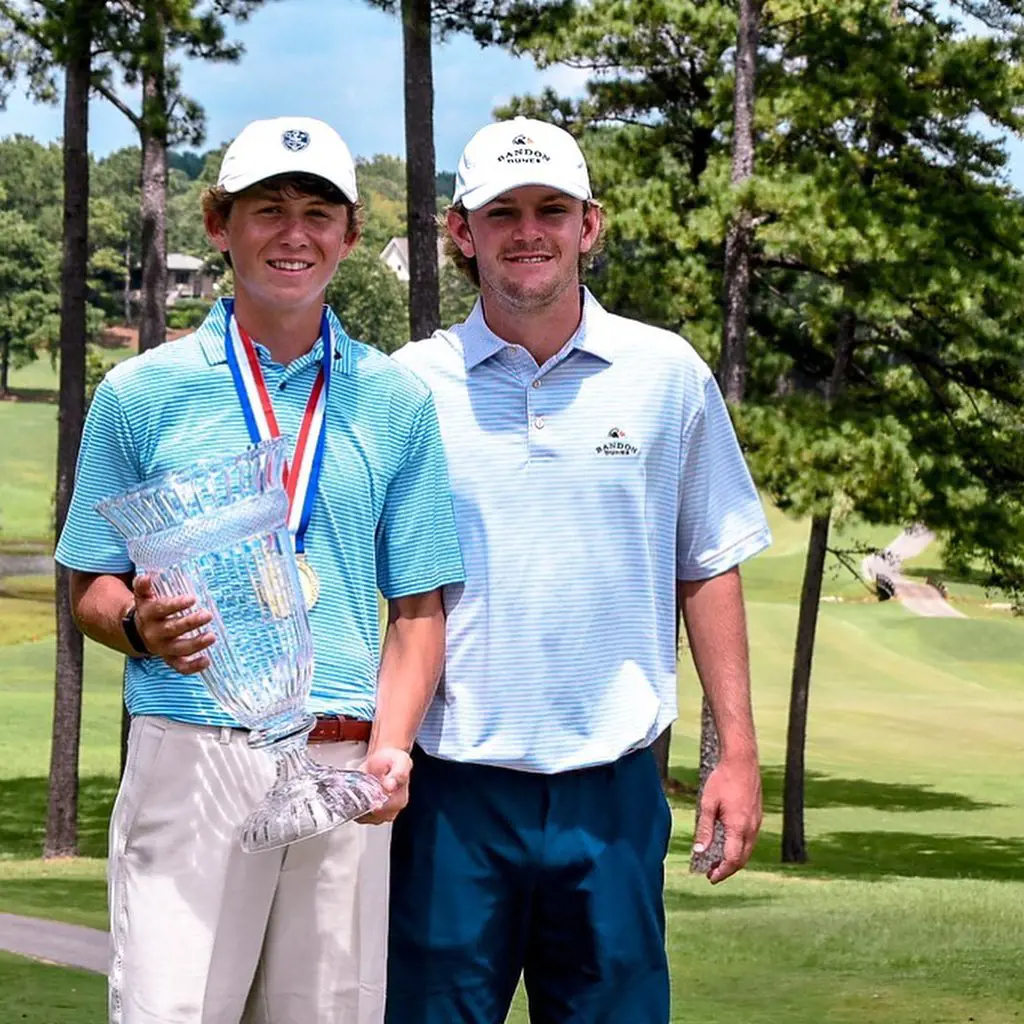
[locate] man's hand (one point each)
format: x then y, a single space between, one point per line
162 628
392 768
732 795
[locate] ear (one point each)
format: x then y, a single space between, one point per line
458 228
591 229
353 232
216 231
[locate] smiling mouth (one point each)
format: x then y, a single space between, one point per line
290 265
529 259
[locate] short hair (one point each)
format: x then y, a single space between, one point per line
467 265
217 202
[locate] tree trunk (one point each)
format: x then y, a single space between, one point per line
421 200
128 282
5 366
794 847
153 312
740 236
62 810
732 366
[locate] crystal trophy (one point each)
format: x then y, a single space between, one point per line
218 532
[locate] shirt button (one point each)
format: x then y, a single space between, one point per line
538 422
536 384
280 387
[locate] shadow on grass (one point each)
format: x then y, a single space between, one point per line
821 791
870 856
973 576
875 856
710 899
46 395
23 815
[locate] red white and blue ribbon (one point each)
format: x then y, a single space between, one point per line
302 474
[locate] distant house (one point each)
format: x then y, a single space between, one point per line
395 256
186 278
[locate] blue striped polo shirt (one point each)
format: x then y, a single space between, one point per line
382 518
584 489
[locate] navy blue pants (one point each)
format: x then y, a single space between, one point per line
497 873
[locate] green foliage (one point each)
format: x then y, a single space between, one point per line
188 162
458 295
28 293
187 313
370 300
878 200
31 183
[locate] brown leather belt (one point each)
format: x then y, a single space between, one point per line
339 729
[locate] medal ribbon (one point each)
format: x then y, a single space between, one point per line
302 474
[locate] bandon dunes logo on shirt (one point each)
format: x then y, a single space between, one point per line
617 444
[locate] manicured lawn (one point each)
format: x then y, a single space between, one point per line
909 911
27 466
28 454
34 993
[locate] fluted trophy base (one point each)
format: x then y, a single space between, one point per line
306 800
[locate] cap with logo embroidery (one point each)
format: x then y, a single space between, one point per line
288 145
511 154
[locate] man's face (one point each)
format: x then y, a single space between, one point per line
527 244
284 247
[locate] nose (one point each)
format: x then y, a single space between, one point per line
527 228
293 232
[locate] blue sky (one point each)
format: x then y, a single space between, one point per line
339 60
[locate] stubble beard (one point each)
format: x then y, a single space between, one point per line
524 299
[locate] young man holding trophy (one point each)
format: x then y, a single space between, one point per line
202 930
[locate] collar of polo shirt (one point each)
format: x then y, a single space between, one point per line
210 335
592 335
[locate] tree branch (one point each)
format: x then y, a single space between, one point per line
112 98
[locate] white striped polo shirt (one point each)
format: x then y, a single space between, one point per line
584 489
382 515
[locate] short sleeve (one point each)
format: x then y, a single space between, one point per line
721 522
417 543
107 465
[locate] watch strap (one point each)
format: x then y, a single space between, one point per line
131 631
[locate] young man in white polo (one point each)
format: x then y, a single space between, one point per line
204 933
596 478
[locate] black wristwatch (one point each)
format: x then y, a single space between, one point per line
131 630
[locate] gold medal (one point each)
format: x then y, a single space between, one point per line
308 580
273 586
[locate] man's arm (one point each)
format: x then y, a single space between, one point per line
99 601
717 630
410 666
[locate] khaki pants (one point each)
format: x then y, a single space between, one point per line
204 933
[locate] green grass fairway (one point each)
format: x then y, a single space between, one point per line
34 993
910 911
27 466
28 454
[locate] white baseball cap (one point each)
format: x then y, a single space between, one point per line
288 145
510 154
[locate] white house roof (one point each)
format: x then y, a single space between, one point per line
179 261
401 247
